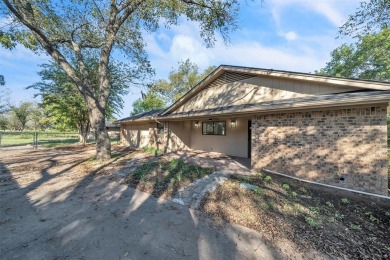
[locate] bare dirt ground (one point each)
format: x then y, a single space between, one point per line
61 204
339 224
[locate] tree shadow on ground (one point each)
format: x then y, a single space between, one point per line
64 212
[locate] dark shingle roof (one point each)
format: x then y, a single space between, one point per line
112 124
144 115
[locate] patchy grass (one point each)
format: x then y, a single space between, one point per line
119 158
165 178
152 150
310 218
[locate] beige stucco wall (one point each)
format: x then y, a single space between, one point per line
177 136
234 143
137 135
325 145
256 89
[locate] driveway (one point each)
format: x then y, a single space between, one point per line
52 208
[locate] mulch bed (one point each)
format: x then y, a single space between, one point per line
337 226
163 178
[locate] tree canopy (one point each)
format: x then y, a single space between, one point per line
66 106
165 92
148 102
80 29
368 58
372 16
21 115
180 80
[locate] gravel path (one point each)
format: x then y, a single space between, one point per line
193 194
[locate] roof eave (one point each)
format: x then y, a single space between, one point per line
298 106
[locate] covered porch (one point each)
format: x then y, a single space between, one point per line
226 135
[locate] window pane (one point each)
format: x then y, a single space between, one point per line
208 128
214 128
219 128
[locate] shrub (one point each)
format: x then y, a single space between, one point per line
311 221
259 192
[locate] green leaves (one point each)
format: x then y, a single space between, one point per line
149 102
164 92
368 58
371 16
181 80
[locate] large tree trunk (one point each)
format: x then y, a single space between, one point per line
103 144
83 132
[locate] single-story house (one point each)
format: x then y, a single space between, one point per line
324 129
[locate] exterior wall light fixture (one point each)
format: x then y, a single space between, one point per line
196 124
233 123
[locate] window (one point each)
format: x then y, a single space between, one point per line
214 128
160 128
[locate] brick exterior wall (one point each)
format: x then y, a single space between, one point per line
325 146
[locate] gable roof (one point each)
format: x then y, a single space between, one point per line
239 73
355 98
367 91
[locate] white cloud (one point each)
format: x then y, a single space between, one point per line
244 53
290 36
333 10
186 46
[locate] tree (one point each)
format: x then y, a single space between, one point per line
371 16
368 58
146 103
73 29
66 106
4 102
179 81
21 115
3 122
3 95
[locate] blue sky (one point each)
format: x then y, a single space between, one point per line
296 35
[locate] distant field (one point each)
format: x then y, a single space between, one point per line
9 139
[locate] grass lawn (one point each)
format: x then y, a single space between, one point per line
44 139
164 178
311 218
17 139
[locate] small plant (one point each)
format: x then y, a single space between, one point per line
285 186
338 216
387 213
345 201
268 178
259 175
259 192
294 194
314 211
329 204
303 190
245 179
372 218
356 227
152 150
270 205
309 220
